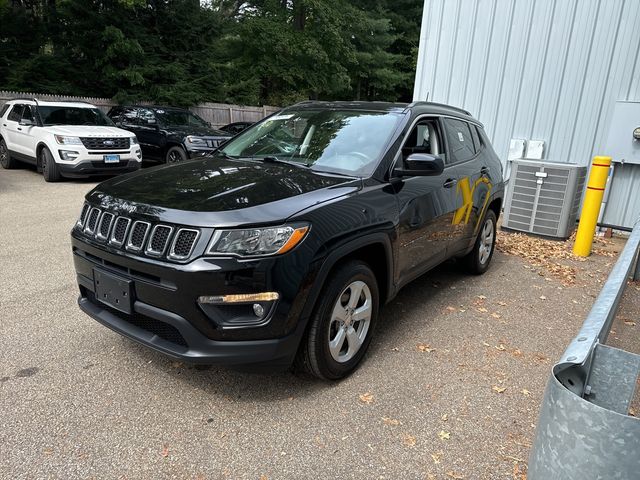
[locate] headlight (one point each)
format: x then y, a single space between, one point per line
255 242
133 140
62 140
196 140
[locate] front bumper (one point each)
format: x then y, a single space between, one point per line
166 316
88 168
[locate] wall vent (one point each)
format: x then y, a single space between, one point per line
544 197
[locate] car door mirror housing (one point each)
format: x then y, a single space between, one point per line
25 122
421 164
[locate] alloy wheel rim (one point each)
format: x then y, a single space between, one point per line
486 241
174 157
350 321
43 162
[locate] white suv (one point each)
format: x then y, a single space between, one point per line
65 139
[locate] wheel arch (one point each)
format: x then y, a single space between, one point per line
373 249
39 147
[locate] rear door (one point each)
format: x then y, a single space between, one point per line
25 138
10 126
427 204
472 192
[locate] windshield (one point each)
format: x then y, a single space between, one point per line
179 117
52 115
340 141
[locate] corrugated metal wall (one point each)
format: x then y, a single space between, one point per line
547 70
536 69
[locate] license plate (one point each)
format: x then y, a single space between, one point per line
113 291
111 158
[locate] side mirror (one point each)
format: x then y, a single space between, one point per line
27 122
421 165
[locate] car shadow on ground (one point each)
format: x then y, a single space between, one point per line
395 321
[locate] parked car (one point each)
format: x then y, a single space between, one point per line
285 244
168 134
65 139
236 127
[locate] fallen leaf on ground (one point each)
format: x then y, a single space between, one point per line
525 392
444 435
482 309
436 457
165 451
409 440
500 347
496 315
390 421
444 417
542 297
482 297
630 323
457 476
424 347
502 304
632 412
366 397
498 389
451 309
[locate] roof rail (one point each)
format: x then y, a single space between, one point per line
436 104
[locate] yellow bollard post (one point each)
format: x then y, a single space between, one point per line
591 205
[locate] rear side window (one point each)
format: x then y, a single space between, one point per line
477 139
15 114
460 140
4 109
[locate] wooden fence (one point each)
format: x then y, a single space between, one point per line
217 114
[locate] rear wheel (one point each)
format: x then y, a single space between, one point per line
50 170
175 155
5 158
477 261
342 325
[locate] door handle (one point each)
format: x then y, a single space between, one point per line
484 170
19 129
4 124
449 182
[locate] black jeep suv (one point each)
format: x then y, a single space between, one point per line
284 245
168 134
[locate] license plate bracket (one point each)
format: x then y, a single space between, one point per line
111 158
113 291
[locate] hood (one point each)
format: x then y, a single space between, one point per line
219 192
200 131
88 131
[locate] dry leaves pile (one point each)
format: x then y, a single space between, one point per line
540 253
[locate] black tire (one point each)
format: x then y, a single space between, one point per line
50 170
5 158
477 260
175 155
315 356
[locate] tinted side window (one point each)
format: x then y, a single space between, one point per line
146 117
424 138
459 139
15 114
4 109
27 113
477 140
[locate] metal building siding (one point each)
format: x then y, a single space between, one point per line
547 70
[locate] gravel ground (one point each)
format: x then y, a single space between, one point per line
450 388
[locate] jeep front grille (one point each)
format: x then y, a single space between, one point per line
183 243
111 143
137 236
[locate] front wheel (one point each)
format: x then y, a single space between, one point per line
343 322
477 261
175 155
50 170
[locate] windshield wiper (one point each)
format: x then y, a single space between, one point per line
273 159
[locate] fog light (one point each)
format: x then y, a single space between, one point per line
240 298
68 154
258 310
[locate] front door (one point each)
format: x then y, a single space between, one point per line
427 204
151 139
11 125
25 138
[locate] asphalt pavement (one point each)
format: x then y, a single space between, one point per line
450 388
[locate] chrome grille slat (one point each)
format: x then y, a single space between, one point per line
158 240
104 227
92 221
119 232
183 243
138 235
